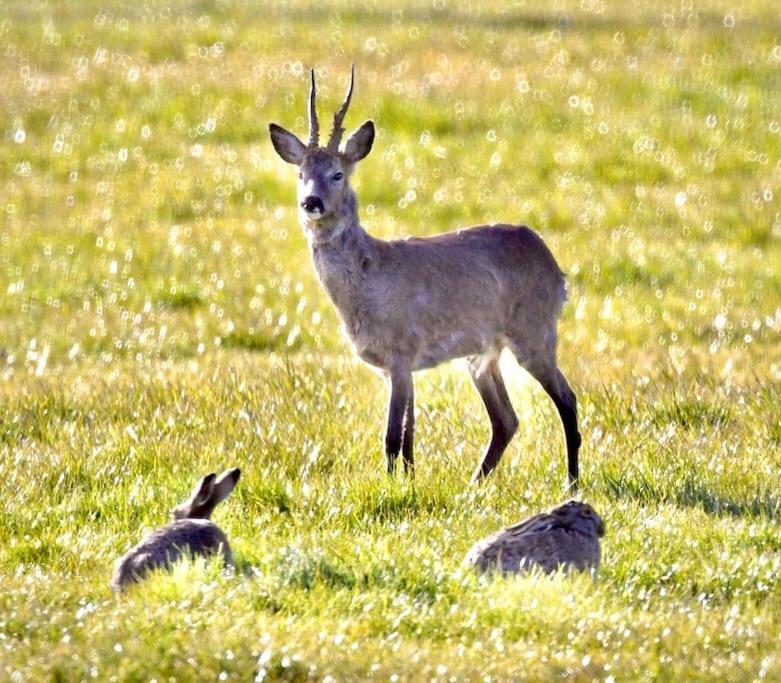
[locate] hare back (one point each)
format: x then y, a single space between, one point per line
165 546
548 550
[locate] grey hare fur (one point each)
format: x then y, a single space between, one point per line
412 304
191 533
567 536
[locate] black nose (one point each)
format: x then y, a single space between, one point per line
312 204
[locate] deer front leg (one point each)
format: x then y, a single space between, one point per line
407 444
401 389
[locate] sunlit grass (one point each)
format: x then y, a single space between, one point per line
160 318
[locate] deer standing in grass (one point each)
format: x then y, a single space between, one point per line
412 304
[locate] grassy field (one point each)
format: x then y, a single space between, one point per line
160 318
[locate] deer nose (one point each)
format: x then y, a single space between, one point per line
312 204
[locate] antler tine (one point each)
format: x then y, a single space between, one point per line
336 133
314 126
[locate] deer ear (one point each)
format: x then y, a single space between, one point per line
360 143
287 145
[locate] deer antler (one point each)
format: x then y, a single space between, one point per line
336 133
314 126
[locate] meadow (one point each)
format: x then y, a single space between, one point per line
160 318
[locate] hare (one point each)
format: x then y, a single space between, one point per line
567 536
190 532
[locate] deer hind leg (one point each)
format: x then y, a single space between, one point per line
400 395
504 422
547 373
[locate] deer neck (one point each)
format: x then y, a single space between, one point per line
341 250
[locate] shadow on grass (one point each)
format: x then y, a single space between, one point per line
297 568
181 300
269 495
249 341
395 506
691 494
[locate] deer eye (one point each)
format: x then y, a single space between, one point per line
336 177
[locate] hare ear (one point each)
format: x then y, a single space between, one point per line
224 485
203 491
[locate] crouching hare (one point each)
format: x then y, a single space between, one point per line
566 537
191 532
413 304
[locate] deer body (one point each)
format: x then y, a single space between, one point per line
413 304
397 298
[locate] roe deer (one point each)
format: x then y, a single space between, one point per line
412 304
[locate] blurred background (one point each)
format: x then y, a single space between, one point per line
145 215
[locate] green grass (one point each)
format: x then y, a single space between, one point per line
160 318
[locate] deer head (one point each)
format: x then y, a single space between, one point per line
323 172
